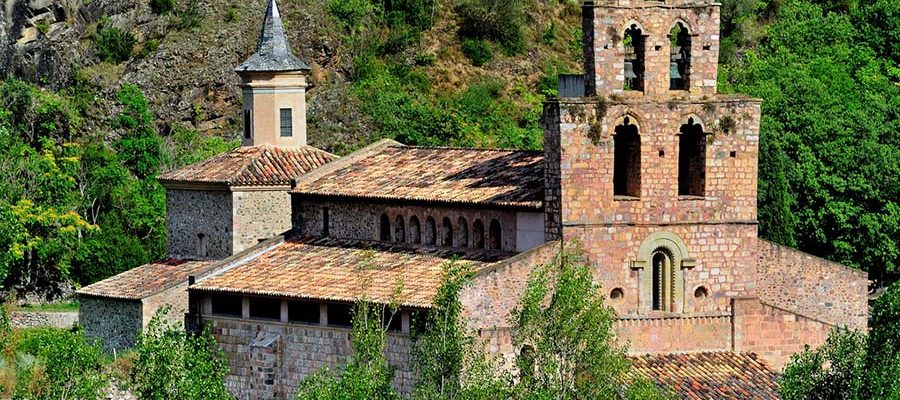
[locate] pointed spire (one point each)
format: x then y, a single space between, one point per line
273 53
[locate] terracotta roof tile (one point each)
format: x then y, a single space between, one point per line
711 375
148 279
331 269
450 175
262 165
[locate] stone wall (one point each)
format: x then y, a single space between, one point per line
115 322
495 292
268 359
812 286
34 319
774 333
175 296
676 334
259 215
190 213
362 220
605 52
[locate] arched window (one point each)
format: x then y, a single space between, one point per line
663 281
399 230
679 57
692 160
462 238
627 163
494 240
430 232
415 230
478 234
634 58
446 233
385 227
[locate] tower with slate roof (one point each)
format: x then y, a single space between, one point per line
274 89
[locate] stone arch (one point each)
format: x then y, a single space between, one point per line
692 149
384 228
634 57
680 47
462 233
430 233
693 118
399 229
446 232
495 240
478 234
415 230
683 21
677 250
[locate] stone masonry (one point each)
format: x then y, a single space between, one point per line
190 213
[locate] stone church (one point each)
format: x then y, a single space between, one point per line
644 164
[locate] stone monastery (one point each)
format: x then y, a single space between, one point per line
644 164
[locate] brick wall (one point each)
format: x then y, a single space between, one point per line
362 220
115 322
259 215
269 359
605 52
812 286
774 333
193 212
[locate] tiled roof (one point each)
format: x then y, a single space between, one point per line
712 375
148 279
336 269
273 53
261 165
448 175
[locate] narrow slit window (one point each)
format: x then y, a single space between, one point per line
287 122
247 125
663 282
326 221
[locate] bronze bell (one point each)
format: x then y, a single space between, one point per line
629 70
674 73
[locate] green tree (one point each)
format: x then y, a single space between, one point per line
57 364
140 148
568 342
174 364
367 374
883 356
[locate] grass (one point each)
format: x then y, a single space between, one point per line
53 307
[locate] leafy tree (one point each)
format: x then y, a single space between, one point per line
367 374
113 44
174 364
567 338
883 356
139 148
498 20
57 364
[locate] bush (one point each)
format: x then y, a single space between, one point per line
477 50
57 364
498 20
114 45
173 364
162 6
350 12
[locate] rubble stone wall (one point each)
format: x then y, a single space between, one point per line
190 213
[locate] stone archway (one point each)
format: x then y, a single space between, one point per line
680 258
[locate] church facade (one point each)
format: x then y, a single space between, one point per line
645 167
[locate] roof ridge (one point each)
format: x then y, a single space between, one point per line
247 164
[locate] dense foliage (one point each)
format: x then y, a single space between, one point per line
851 365
830 147
173 364
77 209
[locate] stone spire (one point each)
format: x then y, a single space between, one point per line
273 53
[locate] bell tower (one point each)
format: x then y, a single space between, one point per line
649 168
274 89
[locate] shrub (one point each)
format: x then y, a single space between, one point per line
173 364
232 14
114 45
57 364
351 12
477 50
162 6
498 20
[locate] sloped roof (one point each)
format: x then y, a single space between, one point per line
336 269
711 375
146 280
513 178
262 165
273 52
